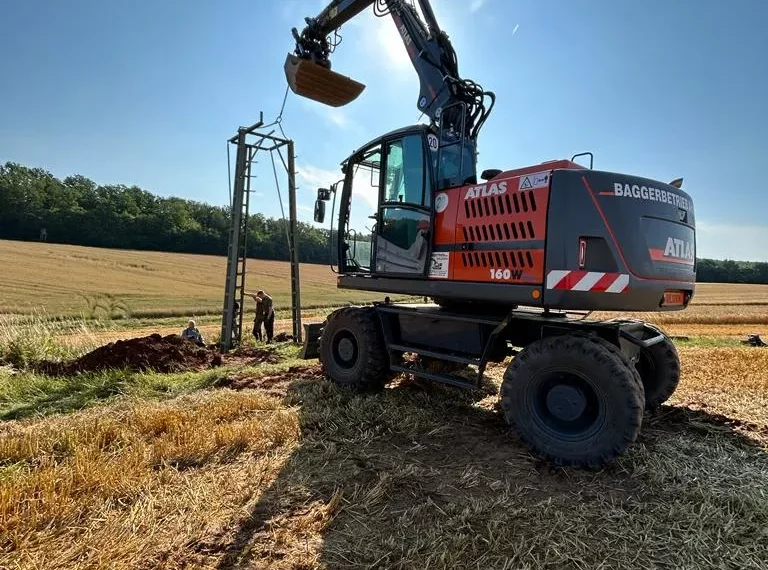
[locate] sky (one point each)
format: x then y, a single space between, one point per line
147 92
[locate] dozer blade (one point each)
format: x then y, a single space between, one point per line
319 83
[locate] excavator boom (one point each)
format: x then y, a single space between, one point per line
454 104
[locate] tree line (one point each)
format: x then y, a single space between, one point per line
78 211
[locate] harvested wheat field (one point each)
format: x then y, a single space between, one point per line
260 463
151 284
75 280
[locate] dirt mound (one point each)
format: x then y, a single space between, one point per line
157 353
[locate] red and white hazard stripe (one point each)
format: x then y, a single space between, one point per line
592 281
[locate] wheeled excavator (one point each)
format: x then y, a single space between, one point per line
515 260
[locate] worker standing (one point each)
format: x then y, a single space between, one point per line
258 320
267 311
269 314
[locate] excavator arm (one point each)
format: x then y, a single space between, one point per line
455 105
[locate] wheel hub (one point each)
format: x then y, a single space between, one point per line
566 403
346 349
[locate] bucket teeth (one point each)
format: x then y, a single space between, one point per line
313 81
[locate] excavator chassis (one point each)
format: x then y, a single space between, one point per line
554 236
575 389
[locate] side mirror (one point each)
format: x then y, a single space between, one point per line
319 211
323 194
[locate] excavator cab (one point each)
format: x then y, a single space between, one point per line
317 82
386 204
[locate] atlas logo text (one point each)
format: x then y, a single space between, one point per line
495 189
679 249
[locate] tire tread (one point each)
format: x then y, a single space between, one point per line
363 321
611 444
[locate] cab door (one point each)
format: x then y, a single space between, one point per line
403 234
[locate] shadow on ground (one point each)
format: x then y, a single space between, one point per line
428 477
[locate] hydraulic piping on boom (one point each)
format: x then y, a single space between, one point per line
455 106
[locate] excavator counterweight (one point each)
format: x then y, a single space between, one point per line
314 81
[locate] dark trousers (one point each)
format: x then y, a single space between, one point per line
257 329
269 326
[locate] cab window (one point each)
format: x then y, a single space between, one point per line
406 180
456 165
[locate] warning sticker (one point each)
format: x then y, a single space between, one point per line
438 265
536 180
432 142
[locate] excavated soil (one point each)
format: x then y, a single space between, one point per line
154 352
157 353
252 357
273 384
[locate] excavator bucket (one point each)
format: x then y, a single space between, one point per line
319 83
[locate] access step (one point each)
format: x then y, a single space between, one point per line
435 354
436 377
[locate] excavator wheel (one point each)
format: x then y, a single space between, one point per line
572 401
616 351
352 349
314 81
659 368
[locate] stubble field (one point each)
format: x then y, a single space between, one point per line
260 463
73 280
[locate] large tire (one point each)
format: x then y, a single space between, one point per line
659 369
573 401
623 357
352 349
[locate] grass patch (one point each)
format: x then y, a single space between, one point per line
32 338
252 466
24 394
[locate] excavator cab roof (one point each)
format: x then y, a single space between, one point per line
416 128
